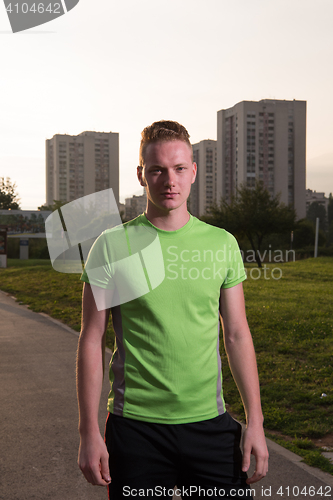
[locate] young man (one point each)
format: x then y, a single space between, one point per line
167 421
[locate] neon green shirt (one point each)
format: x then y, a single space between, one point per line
166 366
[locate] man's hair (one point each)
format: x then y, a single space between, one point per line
163 130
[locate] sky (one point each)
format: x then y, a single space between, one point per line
120 65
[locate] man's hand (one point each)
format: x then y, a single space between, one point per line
93 460
254 443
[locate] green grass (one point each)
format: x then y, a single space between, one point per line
291 320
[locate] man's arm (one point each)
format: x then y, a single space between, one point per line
93 457
242 361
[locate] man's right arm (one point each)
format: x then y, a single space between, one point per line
93 457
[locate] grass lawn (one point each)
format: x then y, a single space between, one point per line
291 320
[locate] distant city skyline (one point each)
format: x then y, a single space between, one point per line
318 178
122 66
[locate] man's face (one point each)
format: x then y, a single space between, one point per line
168 174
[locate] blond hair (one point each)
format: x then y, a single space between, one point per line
163 130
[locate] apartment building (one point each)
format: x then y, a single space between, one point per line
264 140
314 197
135 205
204 190
78 165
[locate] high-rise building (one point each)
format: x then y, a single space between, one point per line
204 189
78 165
263 140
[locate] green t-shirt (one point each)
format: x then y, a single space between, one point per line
166 366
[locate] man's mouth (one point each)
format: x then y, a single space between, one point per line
169 195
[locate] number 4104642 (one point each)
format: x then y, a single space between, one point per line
35 8
306 491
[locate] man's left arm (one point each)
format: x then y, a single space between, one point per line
242 360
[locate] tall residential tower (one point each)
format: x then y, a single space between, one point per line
78 165
204 189
263 140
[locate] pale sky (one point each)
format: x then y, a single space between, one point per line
120 65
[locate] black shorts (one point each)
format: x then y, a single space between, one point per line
203 459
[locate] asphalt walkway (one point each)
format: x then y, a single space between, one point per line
38 419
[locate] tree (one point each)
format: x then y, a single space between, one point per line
9 199
330 209
315 210
304 234
51 208
254 213
330 234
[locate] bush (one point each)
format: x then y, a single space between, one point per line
13 248
308 252
304 234
37 248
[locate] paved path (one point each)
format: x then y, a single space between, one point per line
38 409
38 419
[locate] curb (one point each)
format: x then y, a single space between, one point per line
297 460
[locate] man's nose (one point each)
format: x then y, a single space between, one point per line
169 179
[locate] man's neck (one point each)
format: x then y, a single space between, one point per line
168 221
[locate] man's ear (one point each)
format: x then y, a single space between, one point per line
139 172
194 172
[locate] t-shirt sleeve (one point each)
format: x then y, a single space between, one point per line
236 271
98 267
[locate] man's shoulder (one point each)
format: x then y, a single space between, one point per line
211 231
137 221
